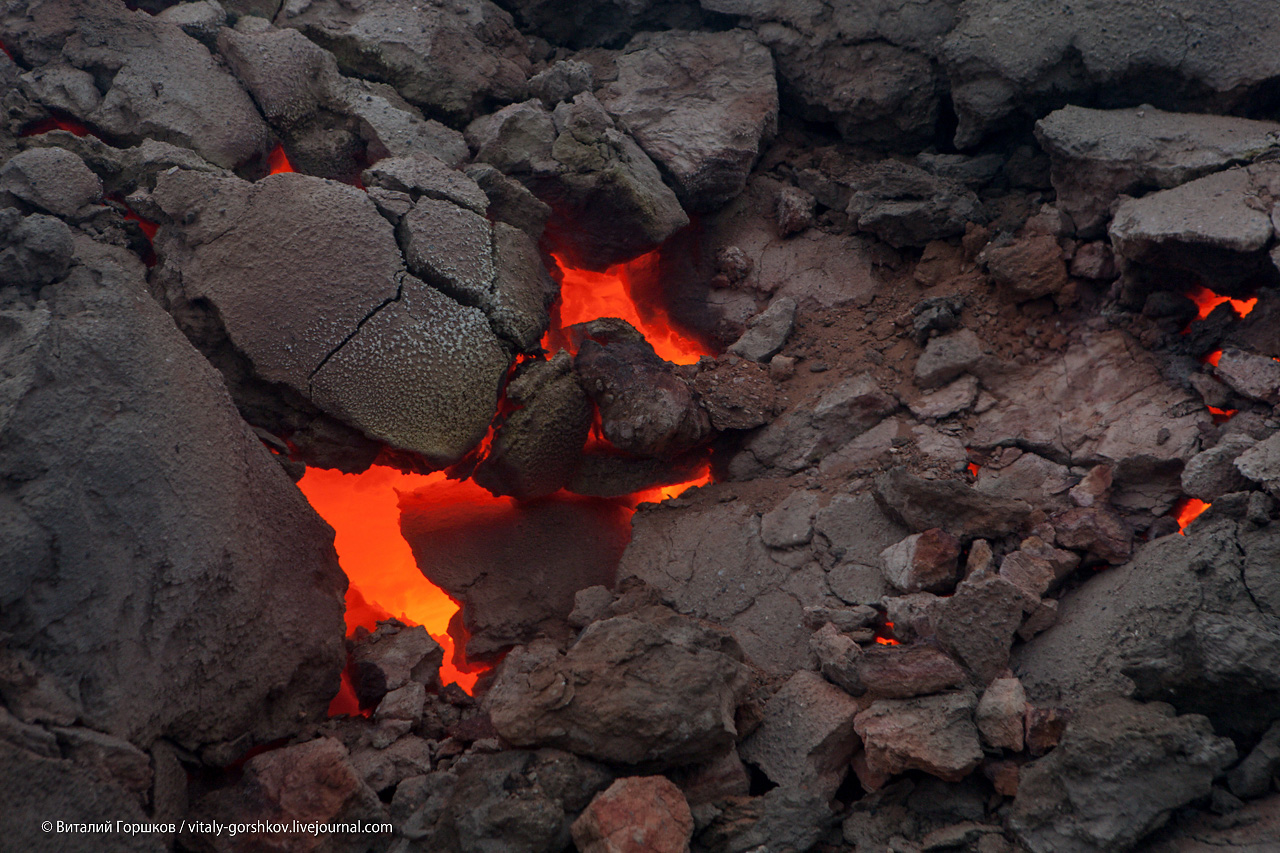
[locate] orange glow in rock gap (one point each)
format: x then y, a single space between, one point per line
1206 300
586 296
1186 511
278 161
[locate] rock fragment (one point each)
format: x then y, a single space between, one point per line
52 180
946 357
639 814
1001 713
767 331
935 734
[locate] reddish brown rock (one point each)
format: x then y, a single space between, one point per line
1028 269
1001 712
639 814
1003 775
1096 530
1044 728
900 672
935 734
923 562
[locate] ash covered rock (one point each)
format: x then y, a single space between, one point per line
1121 770
537 449
509 564
904 205
767 331
1099 155
159 82
736 394
650 687
608 201
450 60
35 250
645 407
391 657
358 337
1189 621
51 180
1213 228
1007 59
123 170
153 428
700 104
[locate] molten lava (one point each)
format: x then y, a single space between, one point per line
1206 300
1186 511
1213 358
70 125
278 161
586 296
1221 416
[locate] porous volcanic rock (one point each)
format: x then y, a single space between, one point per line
1010 59
52 180
700 104
1190 621
159 82
1120 771
923 504
935 734
1099 155
452 60
99 375
904 205
35 250
639 814
650 687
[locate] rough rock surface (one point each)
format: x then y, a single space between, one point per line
1190 621
1099 155
1010 58
923 562
767 331
935 734
904 671
153 430
608 202
35 250
700 105
904 205
159 82
639 814
52 180
451 60
806 737
508 563
1119 772
358 336
1027 268
650 687
923 504
1211 227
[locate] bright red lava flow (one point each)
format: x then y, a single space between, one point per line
586 296
885 636
45 125
1213 358
1186 511
278 161
1221 416
1206 300
364 509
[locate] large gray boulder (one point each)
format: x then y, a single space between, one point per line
1012 60
1099 155
701 105
651 687
449 59
1191 620
348 329
159 82
163 576
1120 771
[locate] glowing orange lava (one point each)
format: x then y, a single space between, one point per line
1213 358
1221 416
278 161
586 296
974 469
70 125
1206 300
364 512
884 636
1186 511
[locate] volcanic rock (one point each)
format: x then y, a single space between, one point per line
159 82
978 623
904 205
536 450
427 176
52 180
607 198
795 210
1001 713
1029 477
923 562
507 563
1027 268
645 407
837 656
935 734
905 671
1211 228
201 19
1097 530
1120 771
560 81
1253 777
700 105
1189 621
806 738
608 23
309 782
946 357
649 687
736 395
151 422
1261 463
391 657
790 523
449 60
1007 59
767 331
948 400
34 250
123 170
1212 473
510 201
639 814
923 504
1254 376
1099 155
